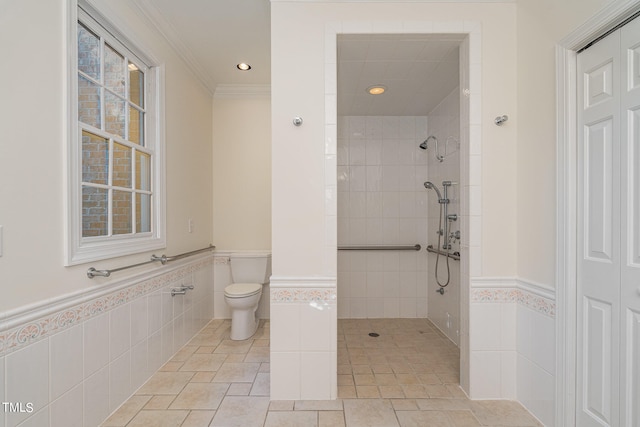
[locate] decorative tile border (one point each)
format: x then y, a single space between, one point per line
31 331
283 295
528 299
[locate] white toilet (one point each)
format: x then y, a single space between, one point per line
249 272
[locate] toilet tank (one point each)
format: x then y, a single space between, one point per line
250 267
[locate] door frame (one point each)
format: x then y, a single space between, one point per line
566 199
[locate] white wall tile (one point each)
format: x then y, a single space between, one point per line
536 390
27 378
139 320
139 364
375 308
285 375
390 127
543 335
508 326
373 152
316 375
154 346
508 374
96 397
391 284
154 301
96 343
119 380
485 377
357 178
37 419
357 127
357 152
67 410
375 284
119 331
167 341
166 305
285 327
316 319
485 326
358 307
408 307
66 360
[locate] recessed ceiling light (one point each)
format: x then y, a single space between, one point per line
243 66
376 89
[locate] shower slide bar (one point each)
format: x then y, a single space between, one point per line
92 272
415 247
452 255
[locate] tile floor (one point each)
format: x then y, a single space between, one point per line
407 376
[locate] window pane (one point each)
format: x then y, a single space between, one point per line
113 70
143 213
143 171
114 115
95 210
88 52
122 172
88 102
95 159
135 125
121 212
136 85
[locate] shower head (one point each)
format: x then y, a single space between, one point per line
425 143
430 185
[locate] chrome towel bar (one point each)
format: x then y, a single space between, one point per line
452 255
415 247
92 272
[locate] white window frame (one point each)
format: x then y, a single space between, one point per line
79 249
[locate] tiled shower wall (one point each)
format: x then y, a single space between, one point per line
382 201
444 124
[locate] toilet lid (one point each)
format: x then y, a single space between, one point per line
237 290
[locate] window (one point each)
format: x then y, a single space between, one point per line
116 192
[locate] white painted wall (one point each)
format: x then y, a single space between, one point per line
242 171
541 25
32 164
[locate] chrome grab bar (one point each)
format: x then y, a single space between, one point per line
181 290
415 247
92 272
165 259
452 255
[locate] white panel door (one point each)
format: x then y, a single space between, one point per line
608 365
630 223
598 234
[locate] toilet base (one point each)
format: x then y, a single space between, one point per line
244 324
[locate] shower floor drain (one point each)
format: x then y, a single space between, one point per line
373 334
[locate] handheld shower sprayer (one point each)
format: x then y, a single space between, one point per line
430 185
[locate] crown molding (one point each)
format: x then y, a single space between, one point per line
158 21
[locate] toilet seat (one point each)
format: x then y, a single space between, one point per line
242 290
